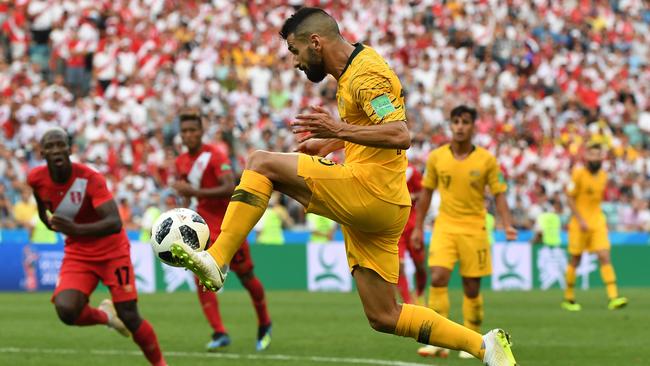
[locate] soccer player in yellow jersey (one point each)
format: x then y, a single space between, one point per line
588 227
367 195
460 171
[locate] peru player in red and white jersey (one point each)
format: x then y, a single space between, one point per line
205 177
417 253
73 199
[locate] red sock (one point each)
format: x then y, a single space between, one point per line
210 306
145 337
420 282
256 290
403 287
91 316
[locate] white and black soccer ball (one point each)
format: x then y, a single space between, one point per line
179 224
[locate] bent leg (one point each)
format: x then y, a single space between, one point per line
143 333
264 172
73 309
420 323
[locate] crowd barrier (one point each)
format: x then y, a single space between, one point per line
323 267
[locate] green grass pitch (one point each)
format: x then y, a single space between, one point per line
327 329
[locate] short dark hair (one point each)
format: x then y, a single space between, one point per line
309 20
462 109
190 115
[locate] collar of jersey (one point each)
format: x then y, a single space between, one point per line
358 47
470 153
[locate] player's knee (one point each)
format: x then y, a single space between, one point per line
603 257
129 316
68 313
439 279
258 161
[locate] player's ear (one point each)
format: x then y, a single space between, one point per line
315 41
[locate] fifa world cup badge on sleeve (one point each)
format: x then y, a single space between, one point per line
382 105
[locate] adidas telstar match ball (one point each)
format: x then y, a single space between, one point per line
173 226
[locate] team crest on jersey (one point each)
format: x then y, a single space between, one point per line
76 197
474 173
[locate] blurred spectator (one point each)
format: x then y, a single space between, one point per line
270 227
6 210
322 229
151 213
25 209
546 77
39 233
124 209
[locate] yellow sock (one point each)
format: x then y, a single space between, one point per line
569 292
439 300
473 312
428 327
609 278
248 203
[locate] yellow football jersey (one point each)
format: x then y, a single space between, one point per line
370 93
461 184
587 189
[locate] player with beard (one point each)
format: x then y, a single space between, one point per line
588 228
73 199
367 195
205 177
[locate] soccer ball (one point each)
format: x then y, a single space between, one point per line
179 224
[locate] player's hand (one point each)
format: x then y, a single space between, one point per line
417 239
583 225
184 189
316 124
309 147
63 225
511 233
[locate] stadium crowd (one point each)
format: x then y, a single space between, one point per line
547 77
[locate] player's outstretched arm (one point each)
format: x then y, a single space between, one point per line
319 123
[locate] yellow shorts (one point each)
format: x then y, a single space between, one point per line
371 227
593 240
472 249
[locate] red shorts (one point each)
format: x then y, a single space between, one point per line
116 273
241 262
404 244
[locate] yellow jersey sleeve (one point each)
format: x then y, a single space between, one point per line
574 186
495 179
430 178
375 94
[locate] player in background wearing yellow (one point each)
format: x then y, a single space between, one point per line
588 227
460 171
367 195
